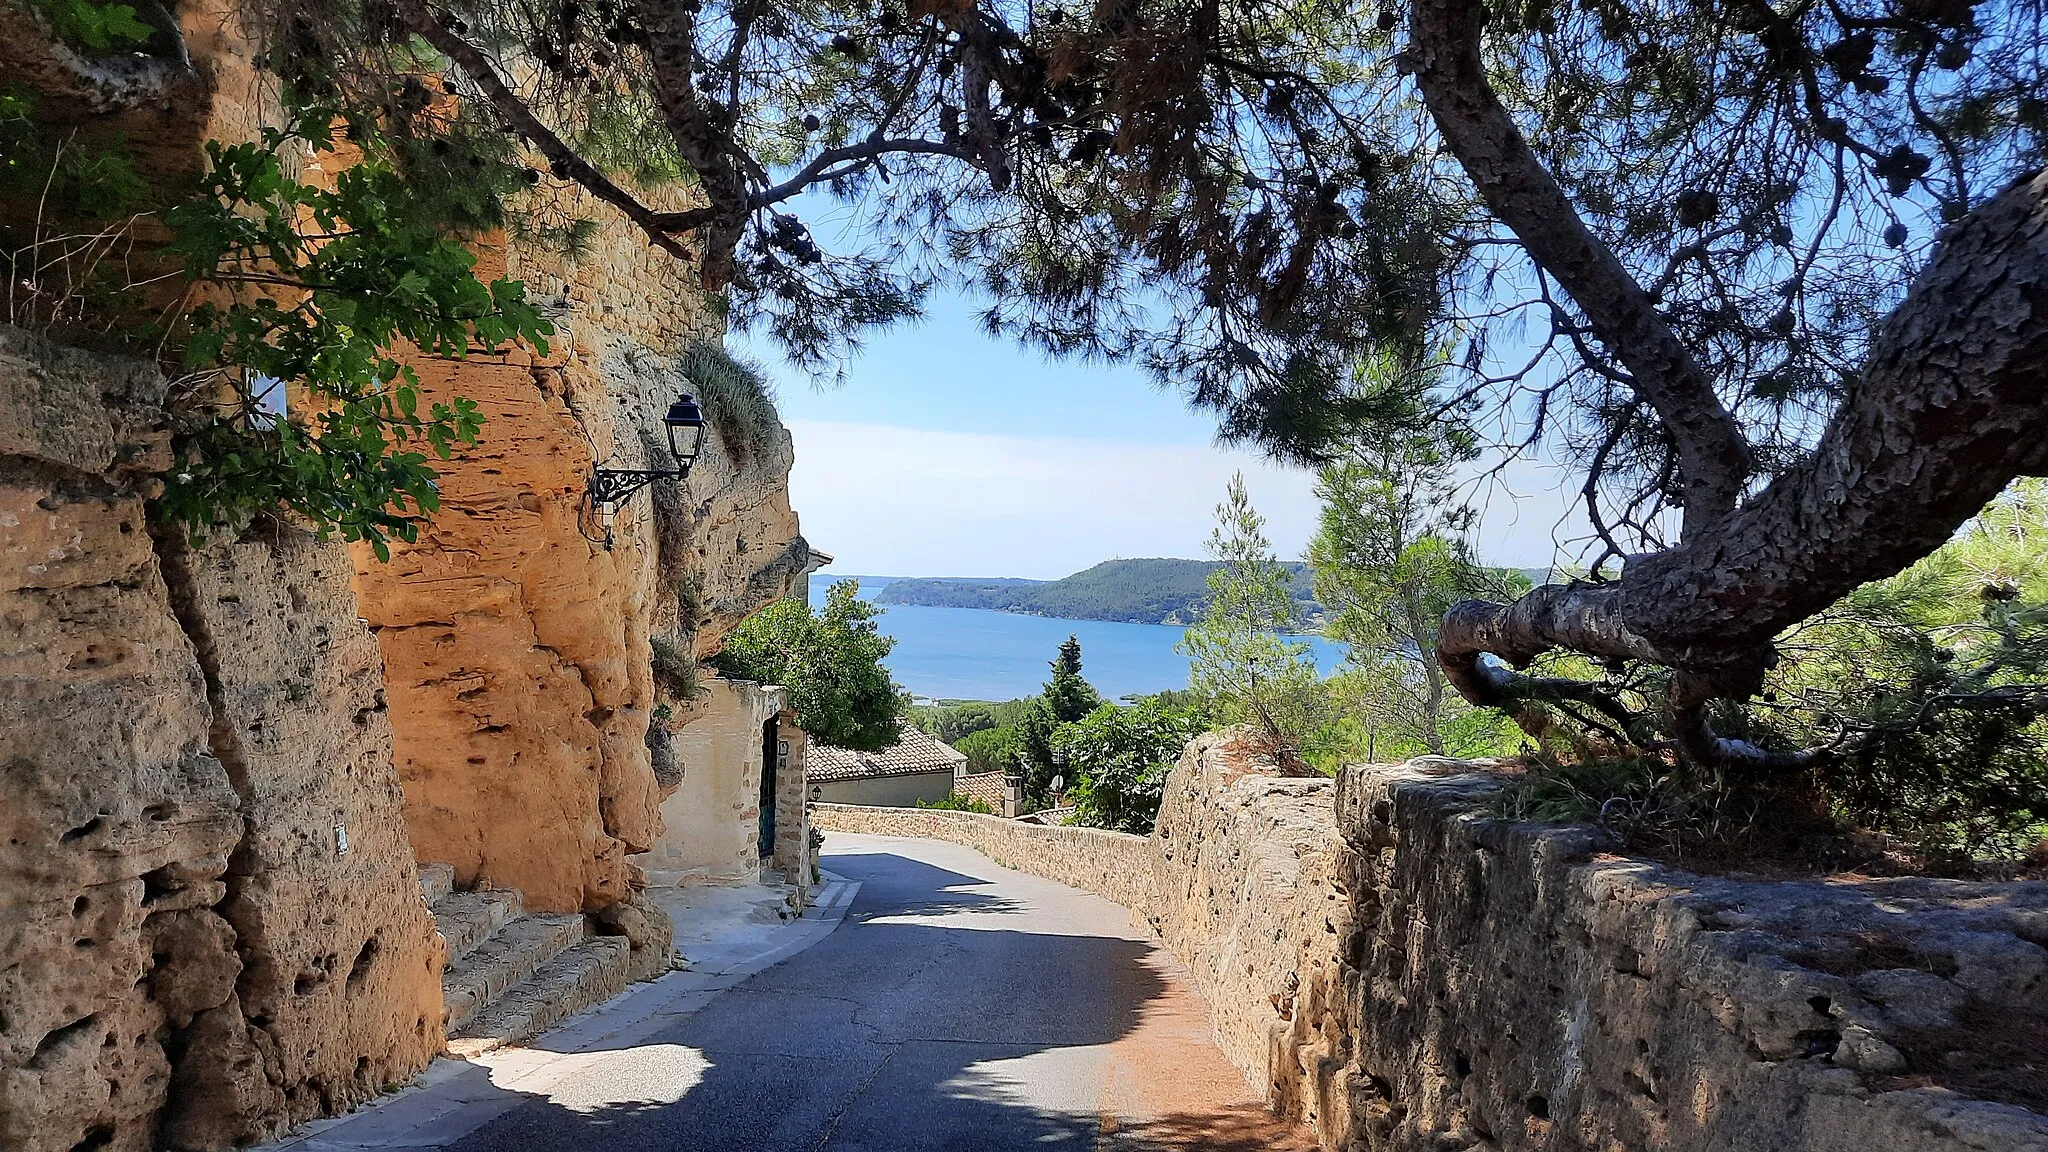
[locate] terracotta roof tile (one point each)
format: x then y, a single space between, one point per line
913 753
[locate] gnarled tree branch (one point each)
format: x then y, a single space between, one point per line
1949 409
435 28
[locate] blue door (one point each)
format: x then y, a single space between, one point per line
771 764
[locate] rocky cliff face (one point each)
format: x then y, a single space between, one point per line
516 642
187 959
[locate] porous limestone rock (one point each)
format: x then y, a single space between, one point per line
174 755
340 990
116 821
515 639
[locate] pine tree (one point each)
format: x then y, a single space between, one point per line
1068 695
1237 656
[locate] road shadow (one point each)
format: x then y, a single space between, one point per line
892 1035
895 885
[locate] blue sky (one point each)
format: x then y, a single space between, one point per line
948 453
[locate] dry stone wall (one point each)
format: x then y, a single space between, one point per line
1514 984
1404 973
1114 865
186 959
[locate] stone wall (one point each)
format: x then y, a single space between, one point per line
1514 983
712 822
1113 865
792 855
1404 973
187 960
1247 890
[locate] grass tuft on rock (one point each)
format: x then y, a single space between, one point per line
737 398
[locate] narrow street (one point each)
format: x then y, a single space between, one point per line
959 1006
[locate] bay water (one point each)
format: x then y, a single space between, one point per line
979 654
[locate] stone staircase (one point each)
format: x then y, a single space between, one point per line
511 973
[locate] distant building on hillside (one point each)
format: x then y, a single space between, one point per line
919 766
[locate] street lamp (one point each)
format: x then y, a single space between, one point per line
610 488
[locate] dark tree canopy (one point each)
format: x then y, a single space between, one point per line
1773 274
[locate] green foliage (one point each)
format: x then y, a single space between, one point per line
1936 683
67 233
79 179
325 283
831 662
1154 591
992 749
1035 730
1237 656
1927 689
952 722
97 29
1067 696
737 398
1390 559
1119 757
958 803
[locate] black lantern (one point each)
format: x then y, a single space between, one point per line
685 422
612 487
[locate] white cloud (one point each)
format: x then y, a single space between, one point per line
894 501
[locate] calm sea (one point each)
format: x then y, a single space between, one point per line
975 654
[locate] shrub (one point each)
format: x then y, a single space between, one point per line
1119 758
1936 684
831 663
953 722
674 669
958 803
308 290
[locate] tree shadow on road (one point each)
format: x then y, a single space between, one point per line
894 886
893 1035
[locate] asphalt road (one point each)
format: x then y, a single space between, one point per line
959 1006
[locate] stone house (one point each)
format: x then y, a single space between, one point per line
738 814
919 766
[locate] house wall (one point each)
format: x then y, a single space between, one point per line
792 802
888 791
711 823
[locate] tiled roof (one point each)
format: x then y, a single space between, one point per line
991 788
913 753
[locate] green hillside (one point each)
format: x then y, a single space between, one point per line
1153 591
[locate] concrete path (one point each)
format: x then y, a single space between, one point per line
959 1006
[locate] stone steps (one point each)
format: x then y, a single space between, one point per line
511 954
590 973
467 919
512 973
436 881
